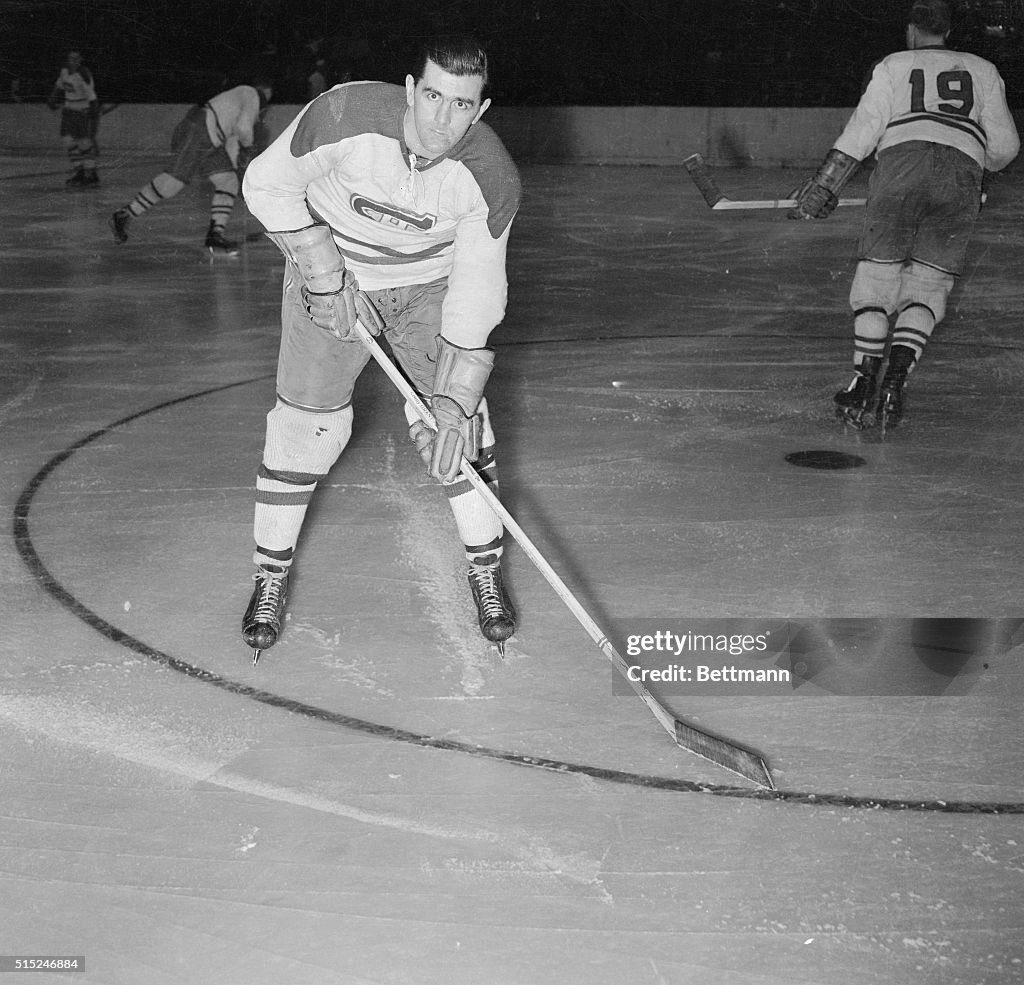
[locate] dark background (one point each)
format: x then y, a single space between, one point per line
544 52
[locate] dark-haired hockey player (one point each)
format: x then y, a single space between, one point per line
214 140
74 93
393 203
938 119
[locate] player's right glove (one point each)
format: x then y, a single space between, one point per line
818 196
459 380
337 311
330 294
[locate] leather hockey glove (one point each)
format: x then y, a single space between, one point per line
459 381
337 311
330 295
818 196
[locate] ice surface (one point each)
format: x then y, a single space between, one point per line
657 364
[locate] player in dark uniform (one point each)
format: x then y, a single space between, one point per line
74 93
214 141
396 201
937 119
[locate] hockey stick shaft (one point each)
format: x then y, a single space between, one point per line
772 203
712 194
720 751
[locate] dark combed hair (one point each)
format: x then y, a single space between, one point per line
932 16
455 55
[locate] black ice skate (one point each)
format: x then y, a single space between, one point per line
890 396
261 624
494 608
853 403
118 223
76 181
217 243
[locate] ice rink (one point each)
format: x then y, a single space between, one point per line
384 801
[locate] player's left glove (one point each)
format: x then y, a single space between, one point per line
459 381
819 196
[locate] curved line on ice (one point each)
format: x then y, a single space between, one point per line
27 551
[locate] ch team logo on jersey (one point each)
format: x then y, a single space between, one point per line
388 215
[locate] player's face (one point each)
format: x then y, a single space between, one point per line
442 108
74 60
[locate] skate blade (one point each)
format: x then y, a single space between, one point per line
887 421
256 656
501 649
884 428
224 254
852 419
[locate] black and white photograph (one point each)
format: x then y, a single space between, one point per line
512 493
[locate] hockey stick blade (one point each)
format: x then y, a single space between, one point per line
721 752
698 171
725 753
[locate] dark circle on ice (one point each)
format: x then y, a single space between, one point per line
29 555
823 459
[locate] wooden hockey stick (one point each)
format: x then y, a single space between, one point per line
721 752
706 185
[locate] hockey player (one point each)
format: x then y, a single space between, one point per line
74 93
937 119
214 140
391 204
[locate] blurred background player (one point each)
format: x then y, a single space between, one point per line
214 140
400 192
938 119
316 82
75 93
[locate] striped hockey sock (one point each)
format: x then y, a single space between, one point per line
301 446
914 328
480 529
870 331
161 187
221 207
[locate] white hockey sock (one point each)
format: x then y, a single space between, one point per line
280 510
914 328
225 191
161 187
870 330
220 209
478 525
301 446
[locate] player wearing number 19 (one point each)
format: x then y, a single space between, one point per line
937 119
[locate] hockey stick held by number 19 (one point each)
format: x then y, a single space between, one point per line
706 185
713 748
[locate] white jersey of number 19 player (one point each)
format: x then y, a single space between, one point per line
936 95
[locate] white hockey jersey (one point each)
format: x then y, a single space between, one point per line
397 220
78 87
936 95
233 114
